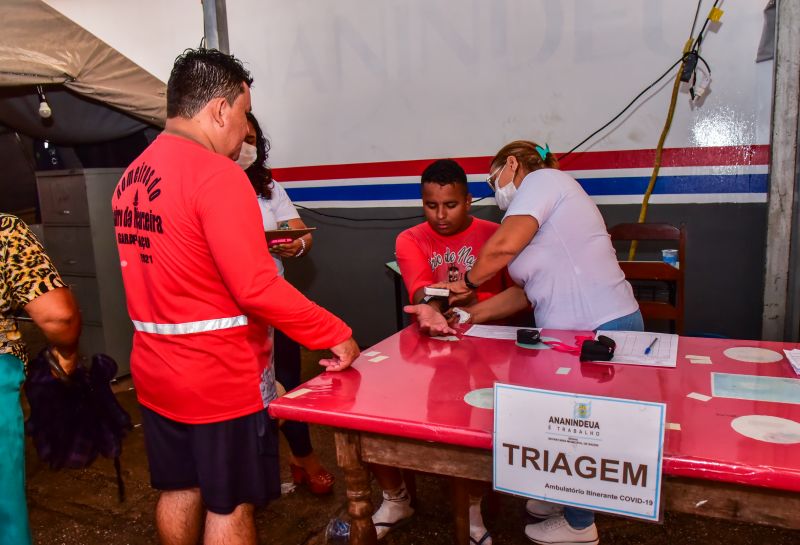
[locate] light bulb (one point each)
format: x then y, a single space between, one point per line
44 109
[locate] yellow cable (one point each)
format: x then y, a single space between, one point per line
660 148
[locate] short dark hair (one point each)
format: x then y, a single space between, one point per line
444 172
259 173
201 75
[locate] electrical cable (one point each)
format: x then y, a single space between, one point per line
317 212
404 218
625 109
699 39
696 14
691 47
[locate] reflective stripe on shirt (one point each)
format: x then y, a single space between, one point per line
186 328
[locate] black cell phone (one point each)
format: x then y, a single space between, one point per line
529 336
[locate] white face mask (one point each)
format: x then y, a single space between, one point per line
504 195
247 156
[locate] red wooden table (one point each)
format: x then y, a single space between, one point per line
408 410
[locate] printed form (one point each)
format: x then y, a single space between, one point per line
644 348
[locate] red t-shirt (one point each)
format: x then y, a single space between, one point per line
426 257
201 286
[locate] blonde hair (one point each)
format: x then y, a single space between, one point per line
526 154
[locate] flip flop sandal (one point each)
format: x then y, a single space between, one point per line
486 536
396 524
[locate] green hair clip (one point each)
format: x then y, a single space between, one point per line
543 151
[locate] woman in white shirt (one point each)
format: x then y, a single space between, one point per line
277 211
555 244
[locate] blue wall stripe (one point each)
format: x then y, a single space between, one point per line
666 185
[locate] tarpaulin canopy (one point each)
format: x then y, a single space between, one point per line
39 45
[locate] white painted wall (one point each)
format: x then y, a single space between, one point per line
149 32
357 81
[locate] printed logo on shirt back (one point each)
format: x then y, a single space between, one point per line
140 217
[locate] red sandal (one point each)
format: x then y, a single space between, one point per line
320 483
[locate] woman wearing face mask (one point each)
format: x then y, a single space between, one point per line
277 210
555 244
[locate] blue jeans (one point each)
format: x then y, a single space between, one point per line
14 529
581 518
631 322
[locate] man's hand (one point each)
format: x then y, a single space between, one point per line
344 354
430 321
459 292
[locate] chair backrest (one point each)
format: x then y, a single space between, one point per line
657 271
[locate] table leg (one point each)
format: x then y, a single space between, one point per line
357 480
461 488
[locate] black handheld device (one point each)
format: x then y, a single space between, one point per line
529 336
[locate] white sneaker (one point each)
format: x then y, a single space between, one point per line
393 512
557 531
543 509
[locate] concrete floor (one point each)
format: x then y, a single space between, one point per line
80 507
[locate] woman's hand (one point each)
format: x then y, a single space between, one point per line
460 294
290 249
431 322
457 316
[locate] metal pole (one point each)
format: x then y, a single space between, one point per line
780 312
215 25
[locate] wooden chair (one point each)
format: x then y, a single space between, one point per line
656 271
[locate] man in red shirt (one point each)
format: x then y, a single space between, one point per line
202 291
442 248
445 246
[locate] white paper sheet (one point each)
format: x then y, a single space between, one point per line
699 360
504 332
632 345
794 359
378 359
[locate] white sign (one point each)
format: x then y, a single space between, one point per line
597 453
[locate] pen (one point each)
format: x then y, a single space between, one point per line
650 347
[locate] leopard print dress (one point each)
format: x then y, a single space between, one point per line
26 273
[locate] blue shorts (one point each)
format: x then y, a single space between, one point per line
231 462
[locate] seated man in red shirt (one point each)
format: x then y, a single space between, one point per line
443 247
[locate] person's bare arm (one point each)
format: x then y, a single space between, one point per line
506 303
505 244
56 313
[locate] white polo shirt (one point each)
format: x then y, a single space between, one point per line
569 270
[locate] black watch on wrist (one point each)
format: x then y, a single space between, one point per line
469 284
